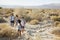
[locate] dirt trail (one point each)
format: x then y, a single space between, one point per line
40 32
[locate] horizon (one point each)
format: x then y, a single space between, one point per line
27 2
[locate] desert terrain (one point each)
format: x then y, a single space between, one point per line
41 24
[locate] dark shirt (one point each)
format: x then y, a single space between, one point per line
19 21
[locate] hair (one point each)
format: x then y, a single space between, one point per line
22 17
16 15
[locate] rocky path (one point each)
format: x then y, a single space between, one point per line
38 32
43 30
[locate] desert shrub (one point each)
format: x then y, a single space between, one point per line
34 22
35 16
28 19
55 18
56 32
54 14
10 33
0 7
7 31
2 20
56 23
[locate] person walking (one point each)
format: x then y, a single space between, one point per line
12 18
19 27
23 22
16 20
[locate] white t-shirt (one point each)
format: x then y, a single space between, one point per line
23 22
19 27
12 18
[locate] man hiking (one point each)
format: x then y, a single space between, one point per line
19 27
12 18
23 22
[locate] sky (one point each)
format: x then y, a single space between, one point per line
27 2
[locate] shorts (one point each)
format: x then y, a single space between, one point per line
22 26
19 28
12 21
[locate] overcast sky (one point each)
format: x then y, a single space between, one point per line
27 2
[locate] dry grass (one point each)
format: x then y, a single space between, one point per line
57 24
55 18
34 22
57 38
7 31
56 32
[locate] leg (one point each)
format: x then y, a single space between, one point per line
19 32
12 23
16 23
23 29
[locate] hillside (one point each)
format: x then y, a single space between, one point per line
48 6
41 24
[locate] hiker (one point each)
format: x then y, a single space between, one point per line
16 20
23 22
12 18
19 27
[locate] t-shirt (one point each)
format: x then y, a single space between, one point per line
12 18
23 22
19 27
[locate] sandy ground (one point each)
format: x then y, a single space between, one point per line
36 32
